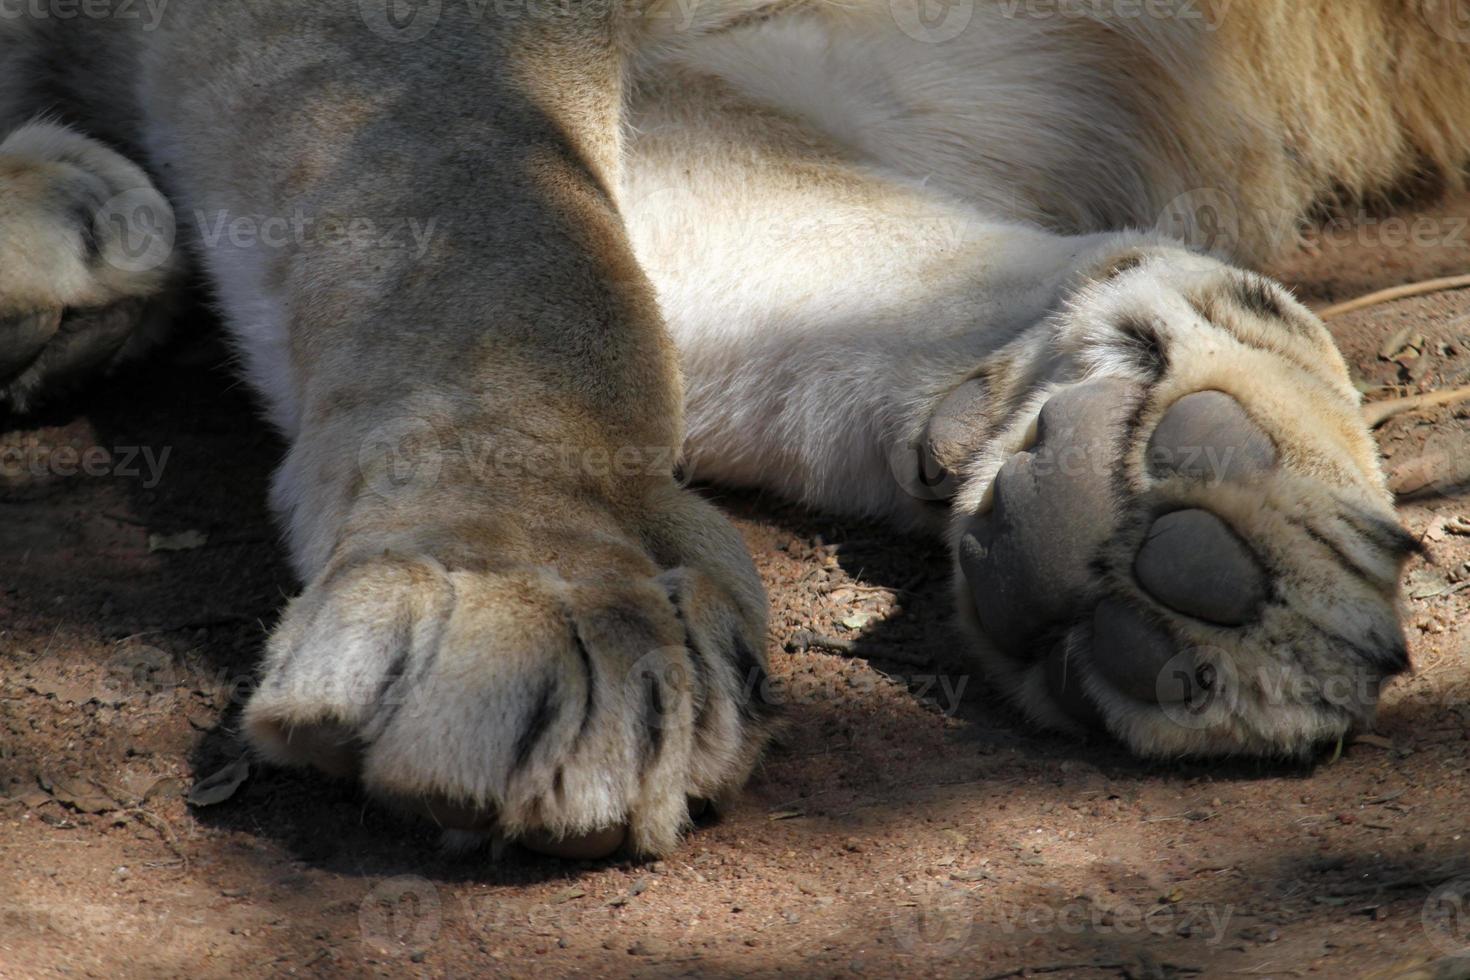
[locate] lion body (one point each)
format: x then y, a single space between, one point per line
780 237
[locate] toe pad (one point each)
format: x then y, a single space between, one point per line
1026 561
1130 652
1193 563
1208 435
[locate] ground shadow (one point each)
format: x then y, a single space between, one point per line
208 606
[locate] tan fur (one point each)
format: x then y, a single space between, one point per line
1321 102
825 220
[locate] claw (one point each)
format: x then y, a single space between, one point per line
959 416
23 337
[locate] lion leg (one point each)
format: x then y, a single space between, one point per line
1167 517
514 620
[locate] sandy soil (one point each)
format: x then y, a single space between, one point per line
909 824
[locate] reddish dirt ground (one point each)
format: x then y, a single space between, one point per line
909 824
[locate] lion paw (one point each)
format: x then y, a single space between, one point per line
1193 548
576 715
86 244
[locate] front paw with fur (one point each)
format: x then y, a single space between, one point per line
87 259
576 707
1192 547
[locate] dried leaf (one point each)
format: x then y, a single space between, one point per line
69 692
1426 583
973 874
167 788
183 541
1395 343
32 798
1377 741
81 795
567 895
221 785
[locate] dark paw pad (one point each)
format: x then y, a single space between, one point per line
1026 558
1130 652
1192 562
1208 435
